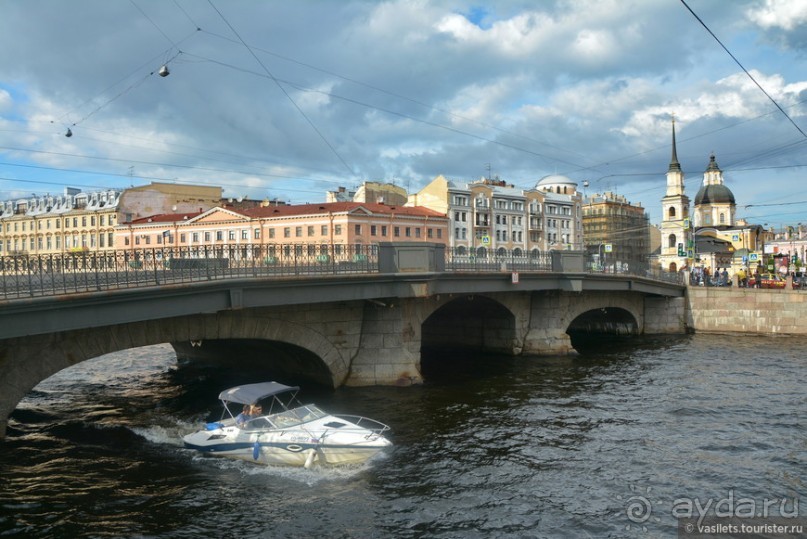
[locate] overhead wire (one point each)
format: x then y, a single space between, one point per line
387 111
152 163
744 69
393 112
300 88
154 24
293 102
399 96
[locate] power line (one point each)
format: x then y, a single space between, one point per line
391 112
296 106
154 24
397 95
745 70
206 169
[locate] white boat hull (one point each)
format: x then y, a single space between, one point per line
289 447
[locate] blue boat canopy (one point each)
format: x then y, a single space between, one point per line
252 393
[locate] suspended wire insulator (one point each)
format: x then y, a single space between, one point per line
69 133
163 72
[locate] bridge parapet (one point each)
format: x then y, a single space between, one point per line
31 276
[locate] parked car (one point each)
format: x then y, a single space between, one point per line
767 280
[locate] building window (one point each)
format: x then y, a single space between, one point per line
310 230
298 232
257 233
231 235
195 237
384 230
417 232
337 230
323 230
287 232
357 230
373 230
671 241
271 233
182 238
245 234
219 235
207 236
396 231
671 213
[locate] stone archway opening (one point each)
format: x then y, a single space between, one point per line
592 328
464 330
272 360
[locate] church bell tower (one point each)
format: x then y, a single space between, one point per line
675 223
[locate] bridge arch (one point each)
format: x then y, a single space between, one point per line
470 322
34 360
587 331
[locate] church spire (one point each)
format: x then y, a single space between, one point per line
674 164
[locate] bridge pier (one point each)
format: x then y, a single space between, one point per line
389 351
549 319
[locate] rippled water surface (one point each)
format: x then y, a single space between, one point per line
492 447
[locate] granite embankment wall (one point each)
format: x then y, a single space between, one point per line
746 310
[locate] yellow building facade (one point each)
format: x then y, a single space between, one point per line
78 221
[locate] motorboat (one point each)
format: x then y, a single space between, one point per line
291 433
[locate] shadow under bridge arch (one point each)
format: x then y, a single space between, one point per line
271 360
589 329
471 323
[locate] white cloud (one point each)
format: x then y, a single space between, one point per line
784 14
5 100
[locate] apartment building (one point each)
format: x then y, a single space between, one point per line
490 217
615 232
78 221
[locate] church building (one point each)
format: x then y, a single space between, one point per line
712 237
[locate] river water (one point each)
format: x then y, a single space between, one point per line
600 445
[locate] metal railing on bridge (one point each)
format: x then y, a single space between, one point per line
27 276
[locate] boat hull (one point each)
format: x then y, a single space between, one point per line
288 448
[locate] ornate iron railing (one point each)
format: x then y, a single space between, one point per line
27 276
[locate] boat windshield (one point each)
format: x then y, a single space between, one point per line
295 416
286 418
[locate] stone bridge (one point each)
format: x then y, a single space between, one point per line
343 330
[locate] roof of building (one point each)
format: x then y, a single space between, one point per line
714 194
710 244
339 207
165 218
556 179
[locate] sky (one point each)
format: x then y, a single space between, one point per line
290 99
